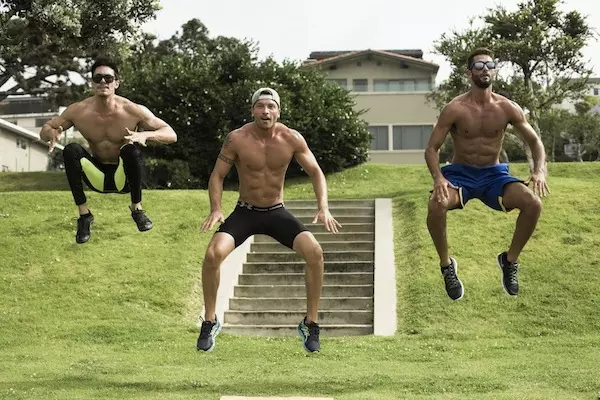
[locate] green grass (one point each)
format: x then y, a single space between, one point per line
115 318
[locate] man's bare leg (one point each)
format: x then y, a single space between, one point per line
436 224
221 245
307 246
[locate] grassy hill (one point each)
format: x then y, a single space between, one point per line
116 317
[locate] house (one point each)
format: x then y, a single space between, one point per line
21 150
592 90
391 85
31 112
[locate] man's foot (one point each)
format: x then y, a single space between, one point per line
142 220
454 286
509 274
84 223
310 336
208 333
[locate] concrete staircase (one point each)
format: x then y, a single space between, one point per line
270 297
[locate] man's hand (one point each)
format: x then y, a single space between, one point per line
540 187
330 223
56 136
136 137
211 220
440 189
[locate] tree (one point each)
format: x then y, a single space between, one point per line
42 42
539 47
584 129
202 86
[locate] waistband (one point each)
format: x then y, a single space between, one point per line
254 208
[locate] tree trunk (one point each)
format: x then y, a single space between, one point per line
553 153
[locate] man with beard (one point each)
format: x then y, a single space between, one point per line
261 152
477 121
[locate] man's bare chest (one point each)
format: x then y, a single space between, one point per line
265 157
96 127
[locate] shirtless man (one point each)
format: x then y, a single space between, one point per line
109 123
261 151
477 121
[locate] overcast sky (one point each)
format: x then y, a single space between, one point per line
293 29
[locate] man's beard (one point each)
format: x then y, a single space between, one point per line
482 85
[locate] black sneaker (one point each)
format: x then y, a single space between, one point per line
84 223
509 274
208 333
310 336
142 220
454 286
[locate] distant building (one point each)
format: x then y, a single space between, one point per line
21 150
392 86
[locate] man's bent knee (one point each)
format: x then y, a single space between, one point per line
307 246
218 249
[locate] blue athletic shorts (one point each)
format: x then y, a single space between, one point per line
483 183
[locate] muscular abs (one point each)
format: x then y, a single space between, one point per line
478 134
261 166
105 132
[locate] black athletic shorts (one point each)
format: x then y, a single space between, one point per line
247 220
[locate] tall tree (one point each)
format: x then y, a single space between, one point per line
540 52
45 43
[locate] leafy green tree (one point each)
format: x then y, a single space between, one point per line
45 43
202 87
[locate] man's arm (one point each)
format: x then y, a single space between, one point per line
225 161
436 140
155 129
305 157
60 122
519 121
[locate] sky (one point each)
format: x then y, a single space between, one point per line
292 30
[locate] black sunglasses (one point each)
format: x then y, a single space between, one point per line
478 65
107 78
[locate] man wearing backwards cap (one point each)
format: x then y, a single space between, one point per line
261 152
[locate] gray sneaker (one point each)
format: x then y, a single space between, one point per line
208 333
454 286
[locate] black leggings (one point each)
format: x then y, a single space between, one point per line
125 177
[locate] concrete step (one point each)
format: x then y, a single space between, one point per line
347 228
323 237
300 291
291 330
298 267
331 203
336 212
326 246
328 256
291 317
298 303
343 219
339 278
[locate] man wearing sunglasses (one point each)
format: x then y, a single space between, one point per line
477 121
112 125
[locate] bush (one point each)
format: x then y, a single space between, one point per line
168 174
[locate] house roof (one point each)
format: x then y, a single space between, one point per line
319 55
394 55
25 133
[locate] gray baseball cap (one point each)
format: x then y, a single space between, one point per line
266 93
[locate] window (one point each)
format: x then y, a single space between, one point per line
379 135
596 91
402 85
360 85
411 137
342 82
